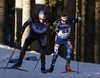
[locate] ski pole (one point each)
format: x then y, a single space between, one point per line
11 55
37 62
78 40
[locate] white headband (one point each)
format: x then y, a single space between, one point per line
64 18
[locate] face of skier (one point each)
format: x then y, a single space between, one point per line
41 20
64 22
42 16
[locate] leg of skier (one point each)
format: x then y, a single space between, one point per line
56 53
43 70
42 42
69 50
27 42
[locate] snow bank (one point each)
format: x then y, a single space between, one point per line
87 70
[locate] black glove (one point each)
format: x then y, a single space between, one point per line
52 27
19 38
79 15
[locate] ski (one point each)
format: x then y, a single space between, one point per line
14 68
68 71
71 71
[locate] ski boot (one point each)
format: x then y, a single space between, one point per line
51 69
43 70
67 67
18 64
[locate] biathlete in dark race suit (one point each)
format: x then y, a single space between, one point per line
38 32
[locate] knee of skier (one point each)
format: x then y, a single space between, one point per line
69 47
43 42
56 48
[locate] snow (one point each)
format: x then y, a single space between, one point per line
86 70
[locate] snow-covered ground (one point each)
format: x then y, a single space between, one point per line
87 70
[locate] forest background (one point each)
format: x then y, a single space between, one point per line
85 36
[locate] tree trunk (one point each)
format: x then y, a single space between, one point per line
26 15
83 30
10 21
76 34
97 32
2 22
90 30
18 18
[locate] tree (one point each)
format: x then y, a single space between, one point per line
2 21
26 14
97 32
83 30
18 18
90 30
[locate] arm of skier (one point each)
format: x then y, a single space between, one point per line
56 24
29 21
79 19
74 20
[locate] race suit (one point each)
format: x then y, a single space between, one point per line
38 32
63 38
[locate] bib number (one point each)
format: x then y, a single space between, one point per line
65 31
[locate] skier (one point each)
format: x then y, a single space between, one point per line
63 27
38 32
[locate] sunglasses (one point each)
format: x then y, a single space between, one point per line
41 19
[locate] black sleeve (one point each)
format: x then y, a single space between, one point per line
29 21
72 20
